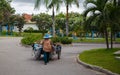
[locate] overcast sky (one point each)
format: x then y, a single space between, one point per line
27 6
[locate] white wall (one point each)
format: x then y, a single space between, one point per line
30 25
24 27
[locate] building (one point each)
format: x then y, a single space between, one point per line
28 24
27 17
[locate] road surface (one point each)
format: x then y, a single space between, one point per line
16 59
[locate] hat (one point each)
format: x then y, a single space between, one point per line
47 36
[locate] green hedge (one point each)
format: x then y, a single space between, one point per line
35 31
66 40
63 40
29 40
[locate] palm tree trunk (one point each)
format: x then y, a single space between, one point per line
114 2
118 2
106 37
114 36
53 19
111 39
67 29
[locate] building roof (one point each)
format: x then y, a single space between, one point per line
27 17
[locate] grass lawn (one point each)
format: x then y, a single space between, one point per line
27 34
89 40
103 58
95 40
83 40
16 34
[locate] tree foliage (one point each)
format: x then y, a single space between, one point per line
43 22
103 15
19 22
6 12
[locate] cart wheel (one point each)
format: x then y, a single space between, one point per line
50 56
59 54
58 51
37 54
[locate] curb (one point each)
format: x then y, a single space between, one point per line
28 46
118 58
96 68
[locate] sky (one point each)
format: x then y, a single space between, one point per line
27 6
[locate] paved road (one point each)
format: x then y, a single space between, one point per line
17 60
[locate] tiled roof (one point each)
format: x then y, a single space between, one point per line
27 17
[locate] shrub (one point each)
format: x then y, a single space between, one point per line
56 39
66 40
29 40
63 40
33 31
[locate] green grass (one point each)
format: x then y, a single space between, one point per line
103 58
27 34
118 40
95 40
98 40
16 34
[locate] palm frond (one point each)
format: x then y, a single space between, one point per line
88 23
89 10
55 3
37 4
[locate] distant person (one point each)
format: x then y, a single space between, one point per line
47 47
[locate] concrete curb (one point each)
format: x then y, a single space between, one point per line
96 68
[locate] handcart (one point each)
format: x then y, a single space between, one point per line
37 51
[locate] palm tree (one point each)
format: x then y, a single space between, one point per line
67 4
50 4
39 2
113 14
53 4
99 15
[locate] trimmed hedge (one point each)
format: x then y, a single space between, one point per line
29 40
34 31
66 40
63 40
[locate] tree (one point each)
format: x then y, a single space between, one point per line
60 21
105 14
53 4
113 9
67 4
6 12
75 23
19 22
98 14
43 22
50 4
